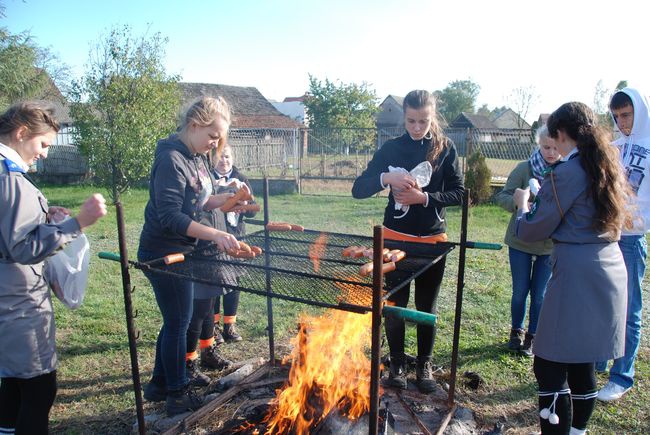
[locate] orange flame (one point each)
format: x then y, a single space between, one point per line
317 250
328 369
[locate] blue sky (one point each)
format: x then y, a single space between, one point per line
561 48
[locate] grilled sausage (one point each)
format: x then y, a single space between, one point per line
295 227
348 251
278 226
256 249
367 268
397 256
243 194
174 258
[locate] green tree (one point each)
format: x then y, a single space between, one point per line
340 106
622 84
348 107
478 178
122 105
19 77
459 96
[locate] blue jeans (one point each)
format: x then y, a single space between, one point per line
175 298
530 274
635 251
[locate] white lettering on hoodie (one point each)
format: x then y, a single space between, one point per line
635 156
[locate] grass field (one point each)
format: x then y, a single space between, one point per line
95 389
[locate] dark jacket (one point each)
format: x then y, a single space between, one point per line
444 189
174 189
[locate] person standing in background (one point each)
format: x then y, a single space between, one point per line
629 109
529 262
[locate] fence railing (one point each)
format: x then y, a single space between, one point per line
327 154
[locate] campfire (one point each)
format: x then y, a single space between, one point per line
329 369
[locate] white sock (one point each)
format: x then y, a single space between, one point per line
575 431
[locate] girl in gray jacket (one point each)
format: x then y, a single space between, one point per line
28 236
581 207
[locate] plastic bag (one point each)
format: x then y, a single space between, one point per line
67 272
422 174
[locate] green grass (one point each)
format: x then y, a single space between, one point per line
95 389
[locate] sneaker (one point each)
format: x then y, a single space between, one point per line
218 337
183 401
154 392
516 339
612 391
230 333
196 377
397 373
211 359
527 347
424 375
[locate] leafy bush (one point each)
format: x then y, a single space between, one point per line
477 178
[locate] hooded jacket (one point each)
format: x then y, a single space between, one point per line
176 196
635 156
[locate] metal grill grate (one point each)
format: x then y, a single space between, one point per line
334 283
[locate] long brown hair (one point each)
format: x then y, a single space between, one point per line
600 160
419 99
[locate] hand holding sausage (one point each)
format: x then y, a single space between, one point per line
225 241
91 211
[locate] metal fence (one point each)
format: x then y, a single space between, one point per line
332 154
323 154
267 152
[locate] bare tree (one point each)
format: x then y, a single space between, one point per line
521 100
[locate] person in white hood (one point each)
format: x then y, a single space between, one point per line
630 112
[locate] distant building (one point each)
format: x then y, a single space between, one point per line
508 118
294 108
472 120
250 108
391 114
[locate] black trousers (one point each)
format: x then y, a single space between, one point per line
427 288
573 409
230 303
25 403
201 324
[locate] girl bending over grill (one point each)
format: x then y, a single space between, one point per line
581 207
181 189
421 169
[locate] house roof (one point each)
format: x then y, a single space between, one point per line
249 107
398 100
543 117
476 120
508 118
290 99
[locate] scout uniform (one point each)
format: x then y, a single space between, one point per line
583 315
26 240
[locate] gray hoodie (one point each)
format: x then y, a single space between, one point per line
180 184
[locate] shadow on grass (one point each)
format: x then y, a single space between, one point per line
109 424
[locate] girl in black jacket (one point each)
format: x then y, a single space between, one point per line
417 210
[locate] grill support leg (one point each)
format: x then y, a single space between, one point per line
460 285
128 308
377 280
267 263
